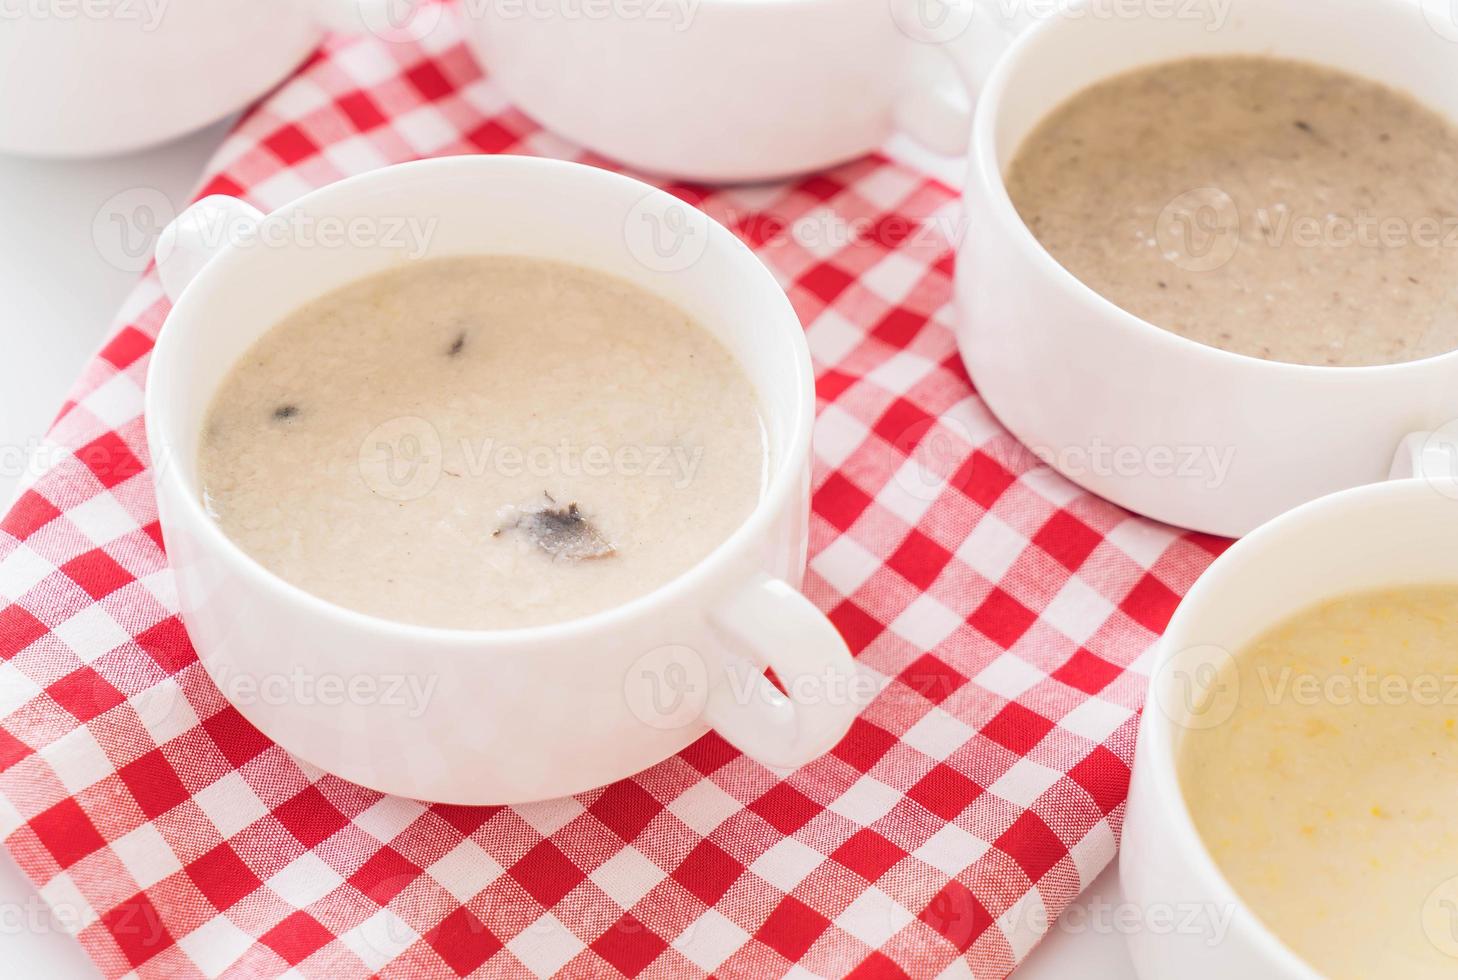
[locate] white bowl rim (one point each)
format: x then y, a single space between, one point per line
983 163
782 484
1155 748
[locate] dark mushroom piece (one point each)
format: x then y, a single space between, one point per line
562 532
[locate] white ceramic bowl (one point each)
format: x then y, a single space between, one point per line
731 90
109 76
511 715
1138 415
1389 534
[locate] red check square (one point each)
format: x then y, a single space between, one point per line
708 872
792 928
296 938
957 914
98 573
126 348
18 630
154 783
310 817
463 941
1104 776
629 946
384 875
547 874
290 145
625 808
945 791
1033 845
1087 672
138 928
85 694
110 459
28 514
67 832
786 808
1002 619
868 854
222 877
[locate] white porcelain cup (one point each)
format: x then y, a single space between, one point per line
510 715
734 90
1159 424
1403 532
95 77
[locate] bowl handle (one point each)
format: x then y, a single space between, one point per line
1431 456
196 235
773 625
972 36
386 19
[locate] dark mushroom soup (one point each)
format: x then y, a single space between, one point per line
1269 207
483 442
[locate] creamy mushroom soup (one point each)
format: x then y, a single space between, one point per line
1264 206
483 442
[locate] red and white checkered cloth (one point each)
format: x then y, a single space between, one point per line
1007 612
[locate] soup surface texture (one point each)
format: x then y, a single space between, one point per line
1264 206
1327 797
483 442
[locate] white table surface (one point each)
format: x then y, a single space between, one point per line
64 269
